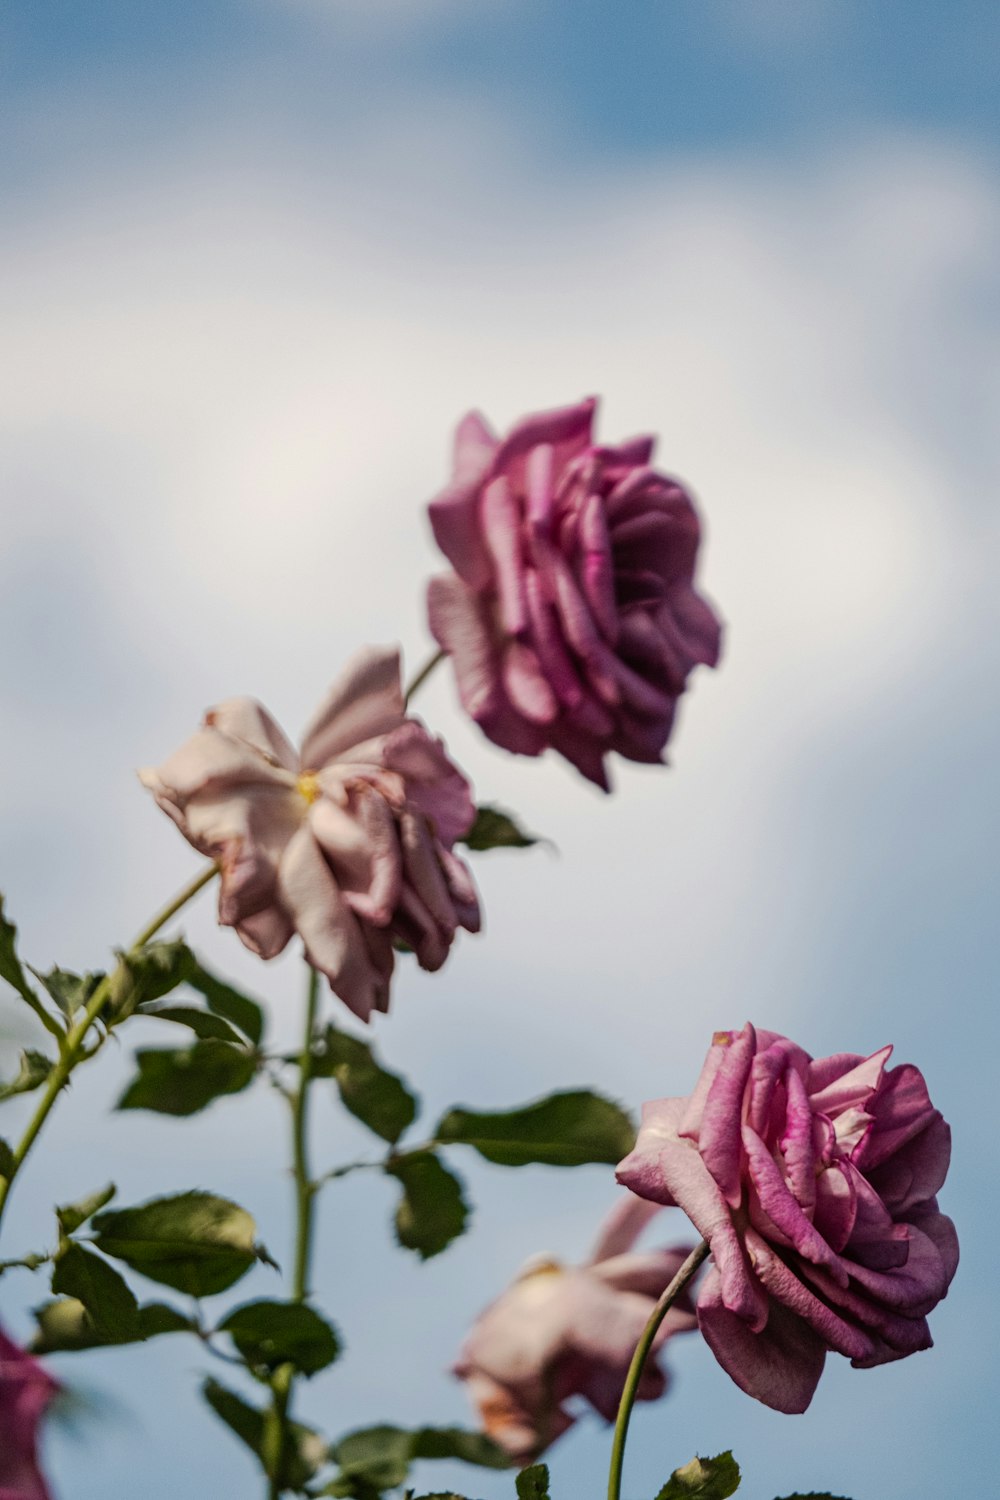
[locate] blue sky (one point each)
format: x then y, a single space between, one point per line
257 258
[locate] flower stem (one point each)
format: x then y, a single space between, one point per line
422 675
275 1440
635 1369
71 1046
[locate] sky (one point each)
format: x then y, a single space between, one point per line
256 259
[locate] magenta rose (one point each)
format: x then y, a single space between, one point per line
25 1392
347 842
813 1182
561 1331
571 616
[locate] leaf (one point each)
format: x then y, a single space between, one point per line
495 829
563 1130
195 1241
459 1442
203 1023
7 1163
70 991
34 1069
223 1000
378 1098
65 1325
74 1214
304 1454
184 1081
703 1479
109 1302
145 974
276 1333
432 1211
814 1495
10 964
379 1457
533 1483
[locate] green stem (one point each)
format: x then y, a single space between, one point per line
276 1423
71 1046
422 676
635 1369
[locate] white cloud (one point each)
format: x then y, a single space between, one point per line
226 393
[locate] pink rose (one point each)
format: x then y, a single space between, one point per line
348 843
25 1392
814 1183
571 616
562 1331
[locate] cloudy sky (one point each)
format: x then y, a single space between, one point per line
256 258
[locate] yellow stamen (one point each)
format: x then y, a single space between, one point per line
307 786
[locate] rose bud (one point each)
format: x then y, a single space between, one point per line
813 1183
571 616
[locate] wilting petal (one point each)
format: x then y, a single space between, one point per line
246 720
719 1133
365 701
779 1366
622 1226
328 928
26 1390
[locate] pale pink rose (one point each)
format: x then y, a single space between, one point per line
814 1183
571 616
562 1331
25 1392
347 842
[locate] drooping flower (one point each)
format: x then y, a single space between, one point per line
561 1331
571 616
814 1183
348 843
25 1392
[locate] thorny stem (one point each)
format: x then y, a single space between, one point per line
422 676
71 1047
276 1422
635 1369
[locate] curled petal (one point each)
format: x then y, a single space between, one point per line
780 1366
366 701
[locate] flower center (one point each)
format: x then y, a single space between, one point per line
307 786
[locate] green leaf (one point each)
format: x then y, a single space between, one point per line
379 1458
34 1069
74 1214
223 1000
533 1483
195 1242
277 1333
10 964
563 1130
459 1442
143 975
378 1098
304 1454
7 1164
203 1023
65 1325
703 1479
70 991
495 829
184 1081
432 1211
109 1302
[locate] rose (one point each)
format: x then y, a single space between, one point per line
814 1183
571 617
561 1331
25 1392
348 843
